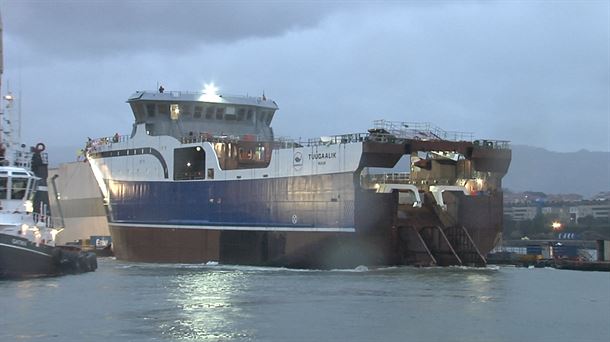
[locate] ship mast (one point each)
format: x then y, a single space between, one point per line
2 146
1 55
5 137
12 151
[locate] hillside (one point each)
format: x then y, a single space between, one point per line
537 169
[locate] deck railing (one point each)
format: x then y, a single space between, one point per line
493 144
420 131
49 221
384 131
388 178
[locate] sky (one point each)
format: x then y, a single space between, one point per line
533 72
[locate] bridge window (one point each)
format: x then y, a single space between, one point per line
250 112
230 114
198 111
32 189
209 112
220 112
261 115
186 110
139 111
18 188
3 185
150 110
241 114
163 109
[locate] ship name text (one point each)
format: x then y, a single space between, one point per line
322 155
19 242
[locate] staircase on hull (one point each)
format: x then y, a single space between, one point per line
430 236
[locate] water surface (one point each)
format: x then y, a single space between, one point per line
146 302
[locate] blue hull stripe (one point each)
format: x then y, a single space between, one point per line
243 228
308 203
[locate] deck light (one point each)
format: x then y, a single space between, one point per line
210 93
29 206
210 89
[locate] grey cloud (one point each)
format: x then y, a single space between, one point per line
535 74
87 29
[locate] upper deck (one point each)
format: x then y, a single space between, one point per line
378 148
180 113
202 97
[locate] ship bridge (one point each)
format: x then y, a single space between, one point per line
182 114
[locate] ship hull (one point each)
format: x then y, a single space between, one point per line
313 206
369 233
320 221
21 258
298 203
283 249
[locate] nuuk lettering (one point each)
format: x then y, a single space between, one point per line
323 155
19 242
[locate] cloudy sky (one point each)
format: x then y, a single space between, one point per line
533 72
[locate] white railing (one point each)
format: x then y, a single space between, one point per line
49 221
421 131
384 178
394 130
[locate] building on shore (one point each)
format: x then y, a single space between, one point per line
573 212
542 216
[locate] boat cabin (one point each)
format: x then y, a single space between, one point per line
16 185
191 115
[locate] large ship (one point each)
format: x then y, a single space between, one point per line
201 178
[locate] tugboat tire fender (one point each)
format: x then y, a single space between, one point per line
92 261
81 264
57 256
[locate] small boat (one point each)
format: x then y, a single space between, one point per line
27 236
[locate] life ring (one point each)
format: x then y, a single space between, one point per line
40 147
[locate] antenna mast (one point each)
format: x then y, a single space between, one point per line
2 147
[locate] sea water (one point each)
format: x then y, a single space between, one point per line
149 302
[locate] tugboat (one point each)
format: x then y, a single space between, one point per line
27 236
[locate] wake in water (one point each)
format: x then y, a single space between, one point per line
214 265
